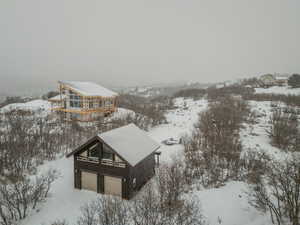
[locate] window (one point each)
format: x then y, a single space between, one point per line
75 100
91 104
93 151
108 102
106 153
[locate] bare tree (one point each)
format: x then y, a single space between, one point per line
171 183
16 199
212 153
105 211
279 191
284 129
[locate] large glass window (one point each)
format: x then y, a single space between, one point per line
108 102
93 151
91 104
106 153
75 101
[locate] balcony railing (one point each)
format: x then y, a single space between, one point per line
108 162
88 159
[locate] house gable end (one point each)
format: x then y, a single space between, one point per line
114 151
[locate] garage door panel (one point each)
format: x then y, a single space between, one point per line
113 186
89 181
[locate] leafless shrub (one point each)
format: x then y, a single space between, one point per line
278 192
104 211
89 214
152 109
171 183
290 100
212 153
154 205
194 93
147 209
16 199
226 91
284 129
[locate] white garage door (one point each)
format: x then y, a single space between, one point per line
89 181
113 186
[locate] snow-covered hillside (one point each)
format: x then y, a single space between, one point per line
228 204
43 108
278 90
37 106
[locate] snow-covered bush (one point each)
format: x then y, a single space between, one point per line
104 211
146 209
278 191
212 153
17 199
152 109
284 130
25 142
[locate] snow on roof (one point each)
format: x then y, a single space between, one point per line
281 78
130 142
89 88
57 98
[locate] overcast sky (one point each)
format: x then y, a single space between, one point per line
135 42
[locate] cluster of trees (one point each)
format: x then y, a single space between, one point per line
161 202
235 89
290 100
19 197
212 153
106 124
294 81
277 191
27 142
195 93
284 130
153 109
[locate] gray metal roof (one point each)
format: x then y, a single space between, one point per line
130 142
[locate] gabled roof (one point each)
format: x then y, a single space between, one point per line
281 78
89 88
129 142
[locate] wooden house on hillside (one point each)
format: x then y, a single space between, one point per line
118 162
83 101
267 80
282 80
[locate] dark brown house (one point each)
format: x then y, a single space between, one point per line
118 162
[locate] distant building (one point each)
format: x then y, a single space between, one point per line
281 80
83 101
267 80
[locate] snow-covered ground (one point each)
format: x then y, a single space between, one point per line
278 90
255 137
38 106
180 123
227 204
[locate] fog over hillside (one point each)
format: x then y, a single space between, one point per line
139 42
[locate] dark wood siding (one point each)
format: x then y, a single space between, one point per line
142 172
